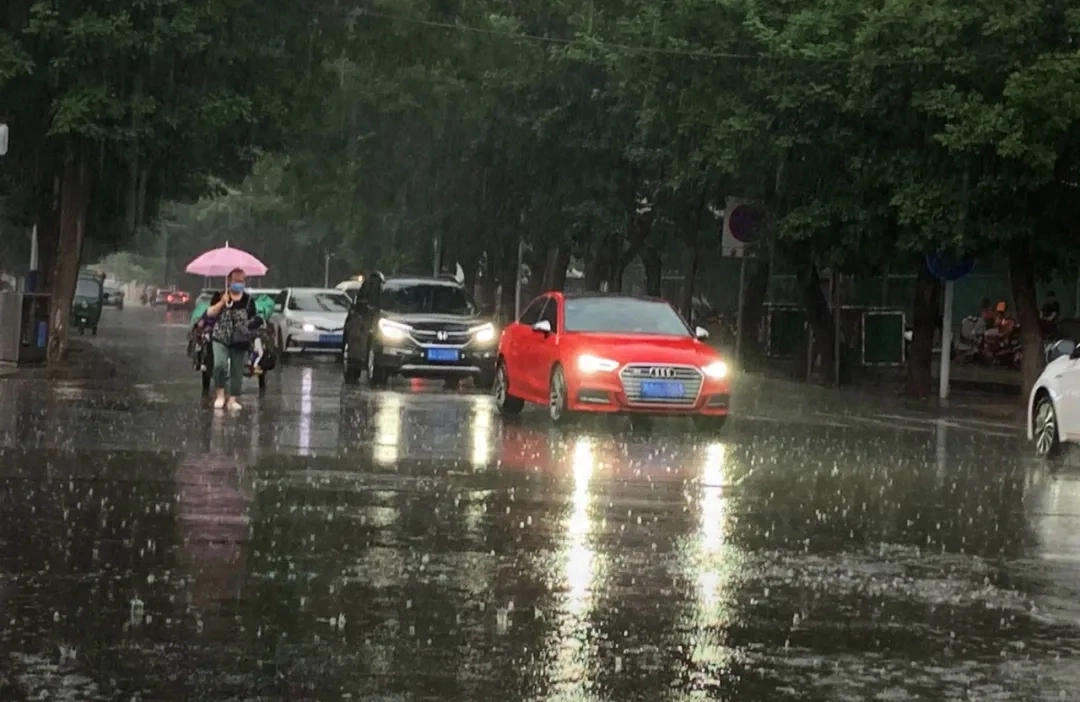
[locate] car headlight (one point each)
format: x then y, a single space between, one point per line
716 370
308 327
483 334
588 363
393 331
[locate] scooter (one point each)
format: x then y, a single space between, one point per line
261 359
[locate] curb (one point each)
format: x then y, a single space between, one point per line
84 362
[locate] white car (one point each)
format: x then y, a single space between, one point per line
1054 406
311 320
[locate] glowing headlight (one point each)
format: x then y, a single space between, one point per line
716 370
393 331
308 327
594 364
484 333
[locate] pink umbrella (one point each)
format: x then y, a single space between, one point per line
217 263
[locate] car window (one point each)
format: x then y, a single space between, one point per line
318 301
623 315
425 298
87 288
551 313
531 315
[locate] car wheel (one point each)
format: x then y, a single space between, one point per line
93 331
350 370
507 404
376 374
708 423
558 397
1047 441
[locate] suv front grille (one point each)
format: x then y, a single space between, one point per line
428 336
633 376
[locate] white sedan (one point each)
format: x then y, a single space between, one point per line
1054 405
311 320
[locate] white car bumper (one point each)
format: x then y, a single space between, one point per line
316 341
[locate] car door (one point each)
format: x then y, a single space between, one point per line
1068 380
546 346
277 320
516 349
532 352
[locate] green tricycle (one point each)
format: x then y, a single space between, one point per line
89 298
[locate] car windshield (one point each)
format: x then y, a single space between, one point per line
318 301
87 288
426 298
621 315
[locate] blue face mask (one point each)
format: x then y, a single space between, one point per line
236 287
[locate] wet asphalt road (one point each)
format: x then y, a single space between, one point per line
334 544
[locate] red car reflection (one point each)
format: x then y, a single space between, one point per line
610 353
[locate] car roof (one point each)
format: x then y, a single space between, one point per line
314 290
608 296
421 280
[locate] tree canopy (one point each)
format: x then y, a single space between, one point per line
380 133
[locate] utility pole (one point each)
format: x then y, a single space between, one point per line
326 271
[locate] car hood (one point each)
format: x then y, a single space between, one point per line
640 348
326 320
426 318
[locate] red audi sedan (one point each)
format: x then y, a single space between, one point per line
603 353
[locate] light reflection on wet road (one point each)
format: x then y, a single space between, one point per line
331 544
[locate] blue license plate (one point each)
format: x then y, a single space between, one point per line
661 389
330 338
442 354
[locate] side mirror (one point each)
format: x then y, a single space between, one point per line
701 333
543 326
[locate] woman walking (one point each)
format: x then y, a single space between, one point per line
235 320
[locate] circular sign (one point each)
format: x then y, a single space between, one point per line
745 223
948 268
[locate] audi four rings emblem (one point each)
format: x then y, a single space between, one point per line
441 336
662 372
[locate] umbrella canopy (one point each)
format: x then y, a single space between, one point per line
217 263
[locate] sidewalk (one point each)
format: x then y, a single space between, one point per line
766 394
84 362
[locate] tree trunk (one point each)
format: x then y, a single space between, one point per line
74 199
757 287
687 303
654 271
1022 279
555 272
819 316
925 317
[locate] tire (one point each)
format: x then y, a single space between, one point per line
93 331
349 369
206 381
82 331
1045 429
558 398
377 376
708 424
507 404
